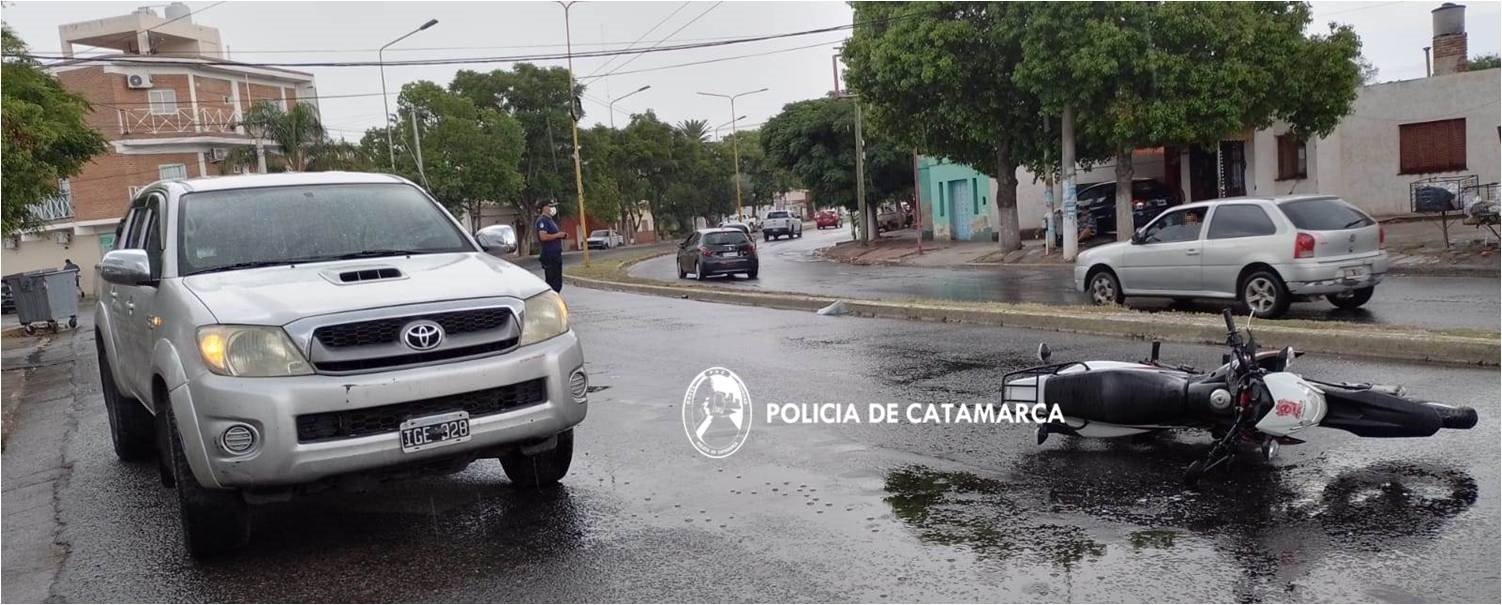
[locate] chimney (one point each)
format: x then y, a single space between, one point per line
1449 39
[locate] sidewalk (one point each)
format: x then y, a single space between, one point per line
1414 247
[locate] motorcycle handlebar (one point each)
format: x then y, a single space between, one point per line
1230 319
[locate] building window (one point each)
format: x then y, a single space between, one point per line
163 101
1431 147
1293 158
172 171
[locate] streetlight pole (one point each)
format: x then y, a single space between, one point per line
610 107
385 100
717 128
867 223
735 147
573 111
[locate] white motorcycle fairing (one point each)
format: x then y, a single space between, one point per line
1297 404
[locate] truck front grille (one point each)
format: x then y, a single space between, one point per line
383 331
361 422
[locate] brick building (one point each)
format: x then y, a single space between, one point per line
169 103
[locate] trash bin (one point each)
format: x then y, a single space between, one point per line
47 297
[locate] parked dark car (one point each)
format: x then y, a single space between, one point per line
717 252
1097 204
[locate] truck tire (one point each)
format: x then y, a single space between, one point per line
131 427
542 468
214 521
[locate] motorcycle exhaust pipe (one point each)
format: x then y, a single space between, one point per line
1454 417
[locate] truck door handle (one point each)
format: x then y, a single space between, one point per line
1191 252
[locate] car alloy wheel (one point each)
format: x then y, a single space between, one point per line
1261 294
1103 289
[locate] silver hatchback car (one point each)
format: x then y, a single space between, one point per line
267 334
1265 252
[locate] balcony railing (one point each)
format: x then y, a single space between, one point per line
55 208
179 121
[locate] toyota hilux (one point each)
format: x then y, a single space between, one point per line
268 335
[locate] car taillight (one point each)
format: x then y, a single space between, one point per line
706 251
1138 204
1381 237
751 249
1303 246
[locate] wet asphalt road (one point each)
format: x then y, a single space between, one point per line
792 266
803 512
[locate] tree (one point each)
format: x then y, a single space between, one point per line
761 180
813 141
933 75
46 136
694 129
302 144
1154 74
470 154
1491 61
540 100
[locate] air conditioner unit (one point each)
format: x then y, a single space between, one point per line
12 243
138 81
62 238
217 154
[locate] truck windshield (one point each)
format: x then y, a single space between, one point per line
263 226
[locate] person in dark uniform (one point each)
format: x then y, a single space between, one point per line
551 255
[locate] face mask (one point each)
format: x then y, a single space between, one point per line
552 211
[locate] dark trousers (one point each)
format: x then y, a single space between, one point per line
552 270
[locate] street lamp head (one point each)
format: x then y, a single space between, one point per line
430 23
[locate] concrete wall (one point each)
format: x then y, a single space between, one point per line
937 175
41 252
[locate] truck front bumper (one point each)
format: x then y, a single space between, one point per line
209 405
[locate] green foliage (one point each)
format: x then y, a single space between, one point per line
46 137
814 142
302 144
694 129
1491 61
539 99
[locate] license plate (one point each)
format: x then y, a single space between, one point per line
1357 272
434 431
731 253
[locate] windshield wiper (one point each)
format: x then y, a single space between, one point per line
250 265
1354 223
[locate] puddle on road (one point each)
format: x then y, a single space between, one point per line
1073 508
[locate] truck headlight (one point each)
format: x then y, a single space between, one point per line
250 351
545 316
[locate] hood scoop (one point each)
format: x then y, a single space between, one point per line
363 274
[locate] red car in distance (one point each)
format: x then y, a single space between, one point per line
827 218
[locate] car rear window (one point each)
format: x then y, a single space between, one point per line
777 215
1324 214
724 238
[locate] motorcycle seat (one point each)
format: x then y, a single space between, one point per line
1119 396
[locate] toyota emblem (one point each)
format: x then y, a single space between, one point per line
423 335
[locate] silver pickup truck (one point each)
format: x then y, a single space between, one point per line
271 334
779 224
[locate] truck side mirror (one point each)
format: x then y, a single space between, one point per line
125 267
497 238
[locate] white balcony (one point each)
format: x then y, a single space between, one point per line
179 121
55 208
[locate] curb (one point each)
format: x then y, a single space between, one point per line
1408 345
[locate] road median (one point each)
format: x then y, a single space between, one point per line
1455 347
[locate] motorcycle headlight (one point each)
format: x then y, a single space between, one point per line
250 351
545 316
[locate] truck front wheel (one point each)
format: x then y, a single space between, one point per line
540 469
214 521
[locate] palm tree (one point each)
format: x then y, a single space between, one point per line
696 130
299 134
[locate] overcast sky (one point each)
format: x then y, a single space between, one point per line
1393 36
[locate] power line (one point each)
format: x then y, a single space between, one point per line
639 38
454 61
722 59
659 42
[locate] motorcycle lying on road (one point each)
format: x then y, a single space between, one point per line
1252 399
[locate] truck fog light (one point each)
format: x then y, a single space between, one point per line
578 386
238 439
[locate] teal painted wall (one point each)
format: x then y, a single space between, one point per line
956 201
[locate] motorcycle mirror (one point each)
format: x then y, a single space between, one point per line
1288 355
1043 352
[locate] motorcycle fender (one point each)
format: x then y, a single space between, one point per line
1297 404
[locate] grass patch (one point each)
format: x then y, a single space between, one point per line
615 268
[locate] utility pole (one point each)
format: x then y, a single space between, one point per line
573 111
417 150
385 101
1066 164
860 175
917 202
